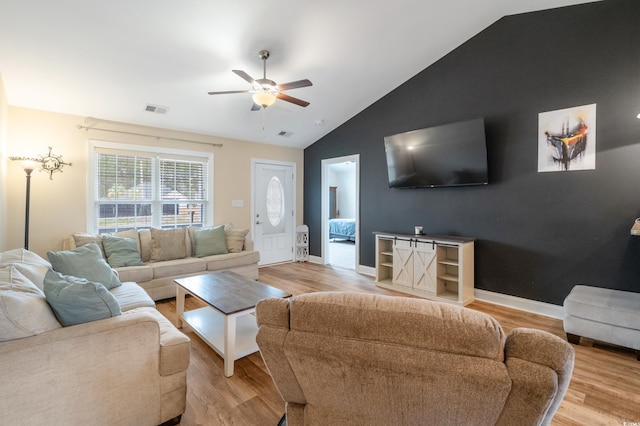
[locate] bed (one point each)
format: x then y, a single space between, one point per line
344 229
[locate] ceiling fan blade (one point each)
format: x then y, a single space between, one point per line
245 76
255 107
228 92
294 85
292 99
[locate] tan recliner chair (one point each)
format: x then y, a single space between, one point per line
363 359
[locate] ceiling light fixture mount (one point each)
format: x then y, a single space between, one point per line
264 90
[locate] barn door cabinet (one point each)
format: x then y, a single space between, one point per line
436 268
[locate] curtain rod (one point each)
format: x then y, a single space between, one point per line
217 145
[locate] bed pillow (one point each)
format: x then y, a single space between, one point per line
121 251
168 244
77 300
210 241
235 239
24 312
85 262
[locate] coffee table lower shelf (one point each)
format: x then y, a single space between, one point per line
209 325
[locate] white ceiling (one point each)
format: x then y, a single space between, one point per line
108 59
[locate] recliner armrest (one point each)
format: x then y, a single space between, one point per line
552 359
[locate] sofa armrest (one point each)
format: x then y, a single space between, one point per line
84 374
540 366
248 245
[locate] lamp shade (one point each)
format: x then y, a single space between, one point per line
264 99
28 164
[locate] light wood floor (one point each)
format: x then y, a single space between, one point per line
604 389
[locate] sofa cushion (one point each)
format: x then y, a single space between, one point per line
235 239
136 273
77 300
32 266
210 241
84 262
170 268
24 311
131 296
381 318
168 244
231 260
121 251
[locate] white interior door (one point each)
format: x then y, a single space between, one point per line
273 211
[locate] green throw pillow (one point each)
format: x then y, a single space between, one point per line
85 262
77 300
211 241
121 251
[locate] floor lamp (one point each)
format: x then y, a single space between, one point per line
28 164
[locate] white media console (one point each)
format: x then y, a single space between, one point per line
434 267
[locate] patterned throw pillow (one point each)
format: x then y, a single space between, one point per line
168 244
235 239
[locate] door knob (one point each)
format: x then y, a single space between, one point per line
258 222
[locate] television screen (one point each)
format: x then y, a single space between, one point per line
448 155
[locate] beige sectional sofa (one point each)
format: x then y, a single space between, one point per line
122 370
156 276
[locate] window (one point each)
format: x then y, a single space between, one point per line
138 187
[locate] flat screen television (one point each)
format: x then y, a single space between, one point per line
447 155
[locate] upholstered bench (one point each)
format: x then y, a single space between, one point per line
603 314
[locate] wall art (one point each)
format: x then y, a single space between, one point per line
567 139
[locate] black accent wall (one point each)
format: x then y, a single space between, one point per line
538 234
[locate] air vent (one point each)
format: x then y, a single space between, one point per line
156 109
285 133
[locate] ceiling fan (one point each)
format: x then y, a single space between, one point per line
265 91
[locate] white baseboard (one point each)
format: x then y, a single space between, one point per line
366 270
520 303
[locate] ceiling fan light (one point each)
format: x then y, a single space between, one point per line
264 99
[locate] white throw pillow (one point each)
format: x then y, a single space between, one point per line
28 263
24 311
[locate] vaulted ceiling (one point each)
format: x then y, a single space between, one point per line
110 59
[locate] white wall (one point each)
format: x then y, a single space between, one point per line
4 112
344 178
58 206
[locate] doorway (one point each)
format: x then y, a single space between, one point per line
340 211
273 210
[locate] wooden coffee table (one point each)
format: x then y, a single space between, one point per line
226 324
